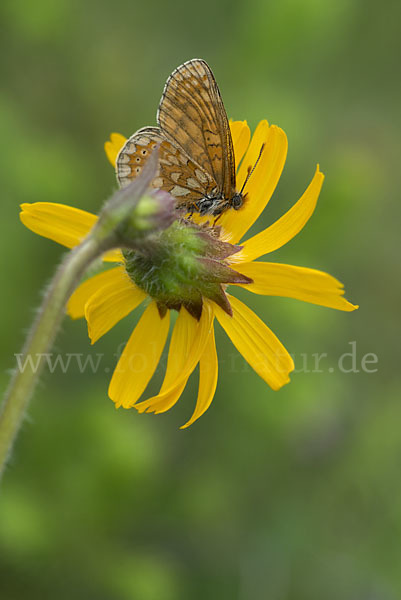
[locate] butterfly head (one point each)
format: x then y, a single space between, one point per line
237 201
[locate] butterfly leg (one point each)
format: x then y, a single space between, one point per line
192 208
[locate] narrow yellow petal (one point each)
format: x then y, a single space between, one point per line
168 400
208 371
186 347
263 181
63 224
241 136
113 256
118 139
183 337
286 227
257 343
112 302
76 303
140 358
113 147
309 285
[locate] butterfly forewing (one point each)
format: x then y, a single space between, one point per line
177 174
192 113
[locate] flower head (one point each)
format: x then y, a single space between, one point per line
188 268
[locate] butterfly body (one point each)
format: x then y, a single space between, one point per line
196 156
215 205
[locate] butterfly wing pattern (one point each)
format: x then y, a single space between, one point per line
177 174
196 156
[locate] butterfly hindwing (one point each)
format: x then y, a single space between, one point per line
192 113
135 152
177 173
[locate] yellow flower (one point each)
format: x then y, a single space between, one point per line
109 296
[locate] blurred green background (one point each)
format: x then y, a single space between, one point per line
292 495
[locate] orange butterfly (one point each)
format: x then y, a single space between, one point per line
196 156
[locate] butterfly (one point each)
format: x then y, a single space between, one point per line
196 155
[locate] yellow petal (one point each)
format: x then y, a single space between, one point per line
309 285
140 358
183 337
76 303
112 302
113 147
241 135
186 347
63 224
286 227
263 181
208 371
113 256
168 400
257 343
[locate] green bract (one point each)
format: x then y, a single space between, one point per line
181 265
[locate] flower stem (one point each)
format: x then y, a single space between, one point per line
40 339
129 219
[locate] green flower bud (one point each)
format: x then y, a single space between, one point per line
135 211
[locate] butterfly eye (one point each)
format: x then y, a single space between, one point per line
237 201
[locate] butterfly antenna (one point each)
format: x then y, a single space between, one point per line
251 170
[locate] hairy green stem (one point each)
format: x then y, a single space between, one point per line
128 220
40 339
